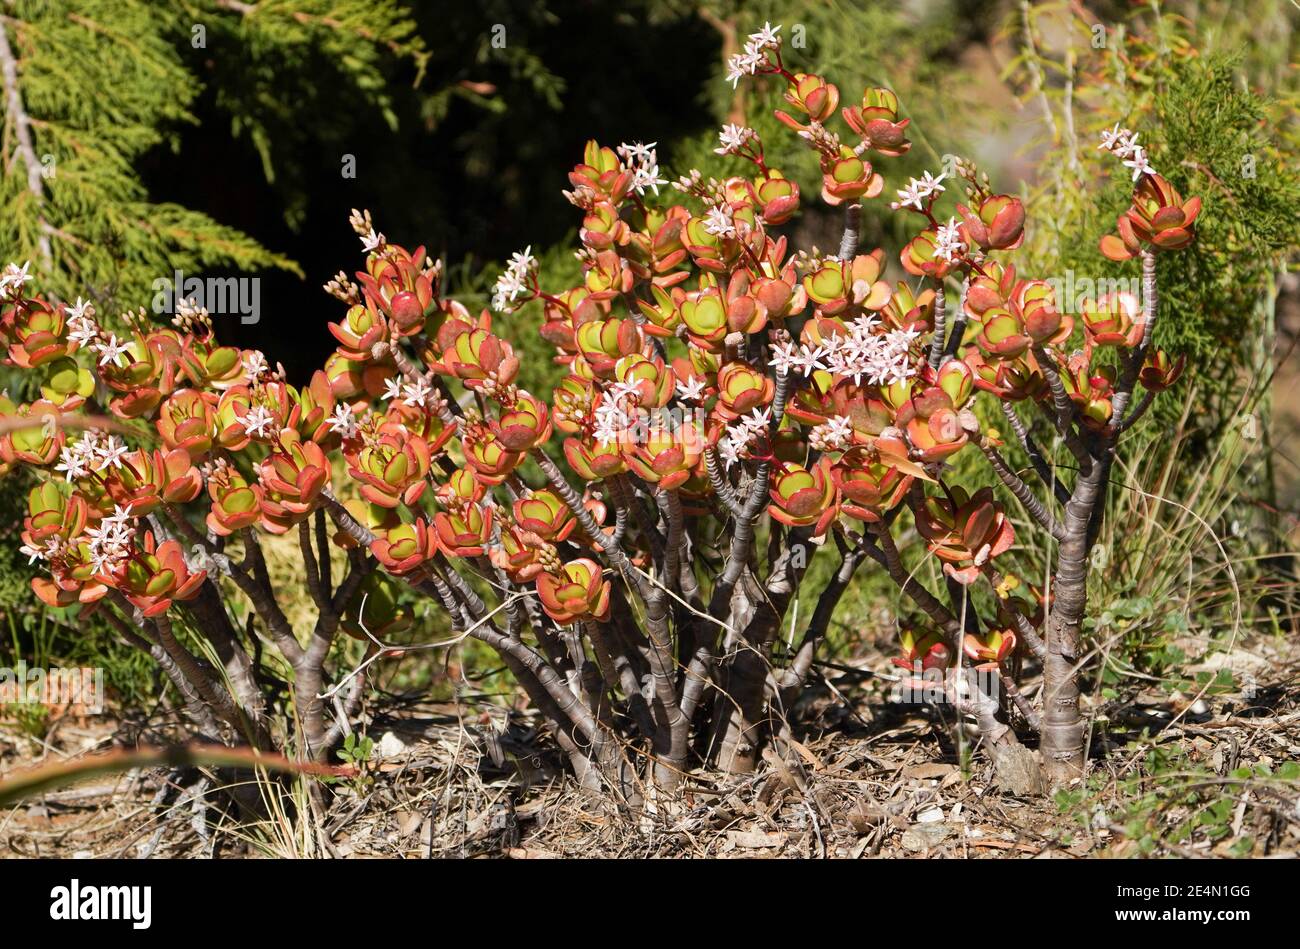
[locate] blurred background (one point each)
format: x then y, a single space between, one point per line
223 137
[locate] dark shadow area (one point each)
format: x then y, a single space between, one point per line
480 181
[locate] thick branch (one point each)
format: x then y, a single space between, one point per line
827 601
1136 414
721 489
923 598
1018 487
1133 364
1032 718
588 523
852 228
322 547
938 339
1046 473
1064 410
757 499
958 324
1028 635
199 710
311 569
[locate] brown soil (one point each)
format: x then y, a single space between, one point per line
863 778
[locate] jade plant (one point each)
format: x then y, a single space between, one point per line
727 408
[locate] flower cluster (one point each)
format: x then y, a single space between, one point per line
13 278
920 193
754 59
1122 143
867 351
734 139
514 280
641 162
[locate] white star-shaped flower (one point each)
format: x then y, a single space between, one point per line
1139 163
863 326
783 357
948 243
82 331
765 38
417 393
607 430
729 451
758 420
105 560
509 285
837 430
72 463
719 221
111 350
808 359
15 277
254 361
343 421
743 64
637 151
647 176
691 389
1126 145
81 310
1112 137
121 516
732 139
931 184
110 453
522 261
910 197
258 422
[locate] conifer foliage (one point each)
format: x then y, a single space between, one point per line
91 86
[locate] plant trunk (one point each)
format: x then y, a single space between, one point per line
311 713
1063 728
744 720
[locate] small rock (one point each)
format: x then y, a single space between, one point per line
922 837
929 771
865 816
390 746
408 822
1237 661
1017 771
755 839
